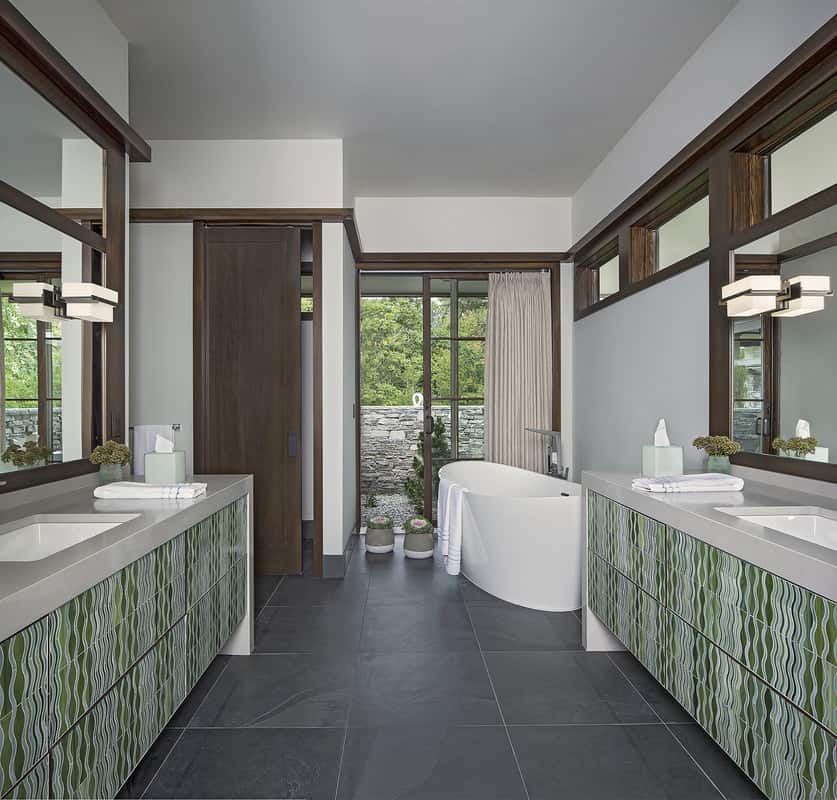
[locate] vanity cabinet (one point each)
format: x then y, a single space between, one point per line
748 654
86 690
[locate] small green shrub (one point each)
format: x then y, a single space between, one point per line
798 446
414 485
27 455
717 445
111 453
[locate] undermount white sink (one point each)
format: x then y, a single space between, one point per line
812 524
43 535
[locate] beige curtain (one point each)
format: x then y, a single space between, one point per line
518 368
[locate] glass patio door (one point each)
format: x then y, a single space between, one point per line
422 356
455 314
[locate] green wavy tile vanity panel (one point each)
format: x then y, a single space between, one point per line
99 635
86 690
99 753
631 542
24 712
783 633
213 546
786 753
34 785
751 656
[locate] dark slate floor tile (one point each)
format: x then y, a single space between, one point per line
284 629
196 696
732 782
280 691
298 590
408 580
473 595
429 764
604 762
416 689
147 769
418 627
264 586
564 687
513 628
250 763
666 707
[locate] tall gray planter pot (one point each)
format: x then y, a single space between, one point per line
418 538
379 536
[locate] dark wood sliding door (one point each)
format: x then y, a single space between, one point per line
248 376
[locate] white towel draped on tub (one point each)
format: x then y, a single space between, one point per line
707 482
451 501
128 490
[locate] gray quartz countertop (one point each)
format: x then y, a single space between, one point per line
31 589
804 563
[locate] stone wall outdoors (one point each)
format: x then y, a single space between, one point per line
389 440
22 425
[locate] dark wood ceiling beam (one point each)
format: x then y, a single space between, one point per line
28 53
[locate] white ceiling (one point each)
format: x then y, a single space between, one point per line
441 97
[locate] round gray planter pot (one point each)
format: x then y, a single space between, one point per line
418 539
379 536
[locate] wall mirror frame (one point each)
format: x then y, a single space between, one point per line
730 163
28 55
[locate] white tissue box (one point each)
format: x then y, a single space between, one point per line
165 468
659 461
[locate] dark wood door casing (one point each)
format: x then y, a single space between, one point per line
248 376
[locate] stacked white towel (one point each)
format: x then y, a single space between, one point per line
128 490
451 501
705 482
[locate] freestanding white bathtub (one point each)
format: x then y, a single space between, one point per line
521 534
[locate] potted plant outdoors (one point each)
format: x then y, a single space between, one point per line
379 534
418 538
30 454
796 446
718 450
111 458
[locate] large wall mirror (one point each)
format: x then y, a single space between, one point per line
783 399
50 372
62 220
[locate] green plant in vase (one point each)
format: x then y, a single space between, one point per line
718 449
111 457
30 454
796 446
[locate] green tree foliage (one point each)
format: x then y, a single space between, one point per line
21 357
440 447
391 337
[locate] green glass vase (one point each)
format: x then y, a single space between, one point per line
718 464
108 473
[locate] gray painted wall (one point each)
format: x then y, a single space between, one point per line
161 328
645 357
808 380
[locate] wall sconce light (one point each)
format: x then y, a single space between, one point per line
88 302
36 301
803 294
752 295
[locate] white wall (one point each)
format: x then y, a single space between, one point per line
84 34
216 174
463 224
754 37
287 173
161 329
645 357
